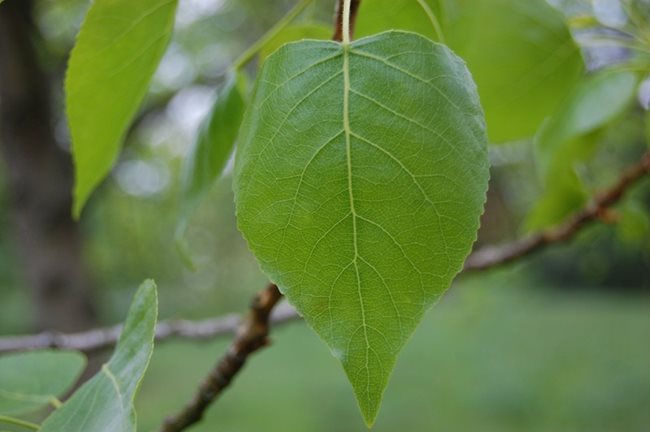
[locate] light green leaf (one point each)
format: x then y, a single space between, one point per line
566 139
521 55
210 151
31 380
633 224
292 34
419 16
118 49
360 177
105 403
647 128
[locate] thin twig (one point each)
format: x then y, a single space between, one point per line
251 336
493 256
97 340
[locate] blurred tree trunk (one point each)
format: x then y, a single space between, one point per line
39 178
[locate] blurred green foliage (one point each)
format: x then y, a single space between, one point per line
534 348
493 356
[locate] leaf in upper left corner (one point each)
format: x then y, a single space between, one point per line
105 403
116 54
32 380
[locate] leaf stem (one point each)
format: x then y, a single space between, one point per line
18 422
252 51
346 21
434 21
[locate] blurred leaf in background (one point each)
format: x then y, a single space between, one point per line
32 380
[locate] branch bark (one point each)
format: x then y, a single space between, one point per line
493 256
251 336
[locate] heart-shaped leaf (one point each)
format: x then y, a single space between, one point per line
105 403
32 380
359 181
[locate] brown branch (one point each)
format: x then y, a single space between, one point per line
494 256
338 25
251 336
97 340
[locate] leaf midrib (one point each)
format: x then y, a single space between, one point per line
348 151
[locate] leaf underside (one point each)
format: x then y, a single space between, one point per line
359 181
105 403
32 380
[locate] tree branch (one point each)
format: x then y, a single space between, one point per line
97 340
493 256
251 336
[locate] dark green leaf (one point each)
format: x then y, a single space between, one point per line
118 49
105 403
360 177
32 380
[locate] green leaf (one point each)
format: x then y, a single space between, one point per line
118 49
210 151
292 34
521 55
647 128
105 403
360 177
419 16
567 139
31 380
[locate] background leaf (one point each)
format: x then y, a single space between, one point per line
118 49
211 150
568 138
31 380
419 16
360 177
105 403
521 55
295 33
